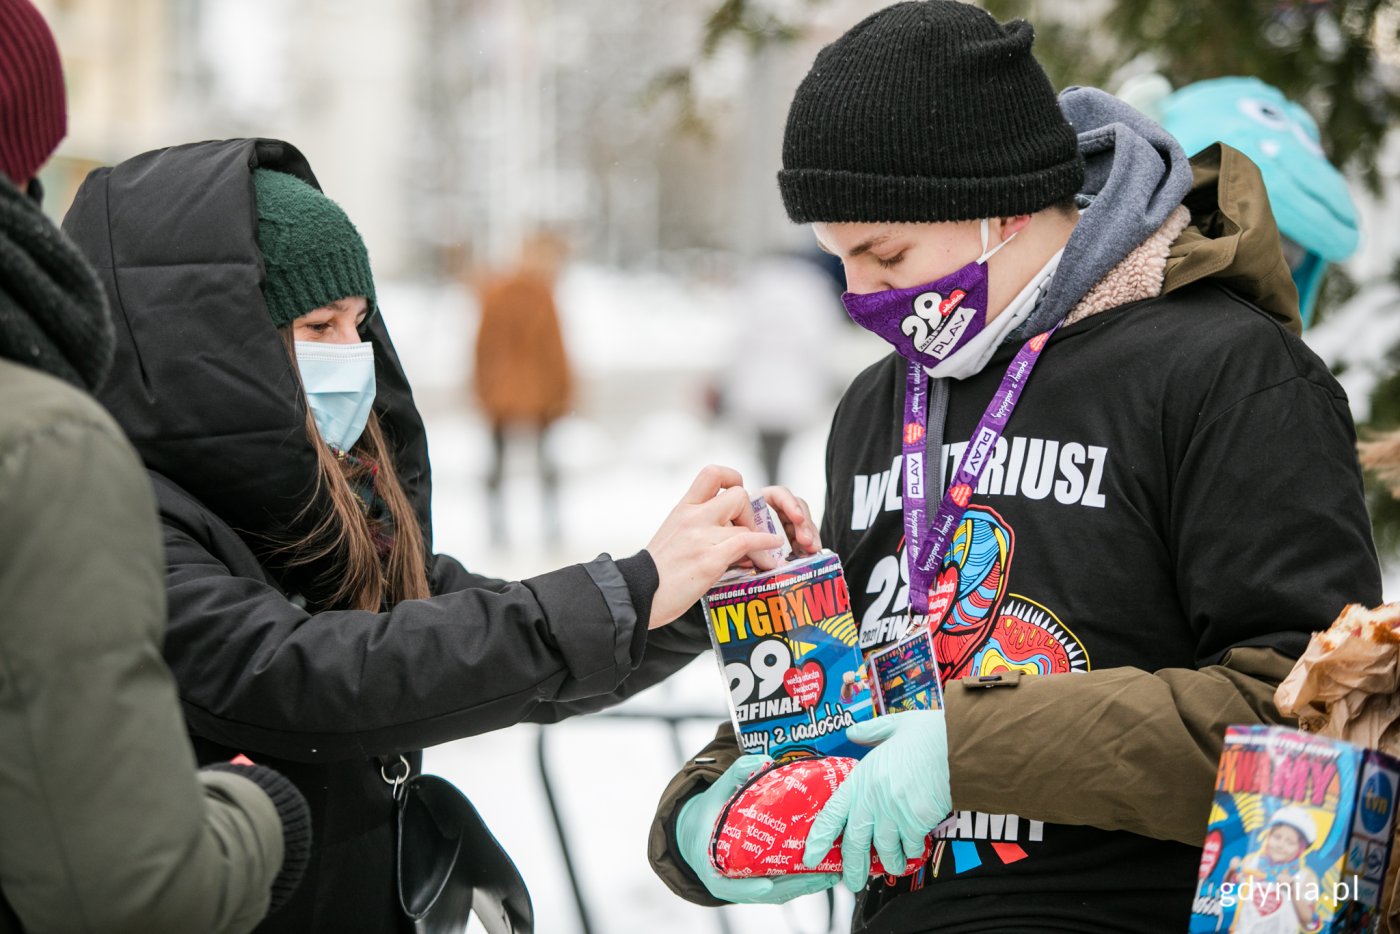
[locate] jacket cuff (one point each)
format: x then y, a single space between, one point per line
663 851
292 810
695 776
640 575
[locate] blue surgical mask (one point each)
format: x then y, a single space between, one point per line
339 383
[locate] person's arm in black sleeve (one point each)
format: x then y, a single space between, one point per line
662 652
446 575
425 672
665 652
1269 521
257 672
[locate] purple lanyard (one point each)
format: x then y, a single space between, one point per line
925 554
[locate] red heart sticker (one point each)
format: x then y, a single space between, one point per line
1267 898
945 307
1210 853
805 684
763 829
1038 342
941 594
913 433
962 494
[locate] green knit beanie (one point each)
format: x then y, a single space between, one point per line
312 253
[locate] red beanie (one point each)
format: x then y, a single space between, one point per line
33 107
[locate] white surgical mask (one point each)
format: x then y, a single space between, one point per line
339 383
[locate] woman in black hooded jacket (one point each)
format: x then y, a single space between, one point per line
283 647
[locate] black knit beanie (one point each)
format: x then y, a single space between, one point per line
296 825
928 110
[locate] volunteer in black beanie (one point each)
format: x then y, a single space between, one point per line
1087 479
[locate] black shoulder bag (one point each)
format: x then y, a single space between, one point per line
448 863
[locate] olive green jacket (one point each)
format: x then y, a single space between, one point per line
107 825
1159 733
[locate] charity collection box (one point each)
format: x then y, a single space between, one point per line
787 645
1298 837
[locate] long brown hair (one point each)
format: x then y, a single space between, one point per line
365 581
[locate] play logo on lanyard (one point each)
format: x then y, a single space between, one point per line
927 544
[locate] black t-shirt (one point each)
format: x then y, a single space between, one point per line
1178 479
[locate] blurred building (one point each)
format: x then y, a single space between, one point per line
447 128
332 76
118 65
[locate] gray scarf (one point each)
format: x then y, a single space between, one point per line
1135 174
53 312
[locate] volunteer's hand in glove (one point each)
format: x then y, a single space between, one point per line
697 822
893 797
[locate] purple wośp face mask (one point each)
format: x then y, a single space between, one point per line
929 323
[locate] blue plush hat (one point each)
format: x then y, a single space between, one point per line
1308 195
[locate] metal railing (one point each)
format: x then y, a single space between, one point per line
673 722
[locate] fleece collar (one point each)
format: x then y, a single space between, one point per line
1138 276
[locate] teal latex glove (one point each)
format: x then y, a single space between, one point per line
893 797
697 822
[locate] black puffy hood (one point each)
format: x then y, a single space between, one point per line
202 383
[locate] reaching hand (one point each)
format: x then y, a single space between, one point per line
696 824
796 518
893 797
710 529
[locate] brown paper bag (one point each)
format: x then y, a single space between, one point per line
1347 686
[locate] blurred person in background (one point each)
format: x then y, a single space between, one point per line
776 380
311 624
105 824
1117 553
522 376
1309 197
